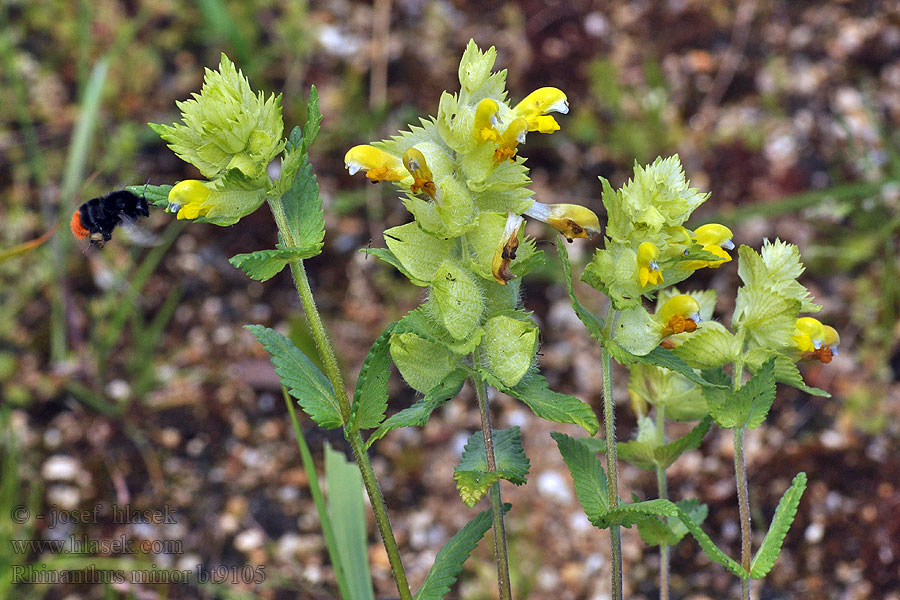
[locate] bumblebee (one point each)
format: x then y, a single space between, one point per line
97 217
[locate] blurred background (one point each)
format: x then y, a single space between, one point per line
126 377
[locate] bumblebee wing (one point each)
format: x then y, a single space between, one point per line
137 234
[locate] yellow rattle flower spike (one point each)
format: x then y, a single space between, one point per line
423 180
378 164
535 106
487 119
648 265
679 314
571 220
187 199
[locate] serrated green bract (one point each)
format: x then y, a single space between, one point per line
786 371
303 380
660 357
646 453
388 257
748 405
227 126
508 347
449 561
475 67
534 391
473 479
710 346
417 414
303 209
784 516
423 364
266 264
457 299
371 394
669 531
419 253
157 195
313 120
587 473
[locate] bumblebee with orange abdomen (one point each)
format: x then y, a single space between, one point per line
97 217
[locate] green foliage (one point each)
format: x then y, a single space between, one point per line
784 516
593 323
449 561
748 405
263 265
668 531
534 391
422 363
659 357
301 377
417 415
473 479
157 195
710 346
370 397
508 346
587 473
345 506
457 299
646 453
420 254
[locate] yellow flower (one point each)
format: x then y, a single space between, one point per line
511 138
506 250
648 265
188 199
715 239
486 121
571 220
535 106
378 164
679 314
814 340
423 180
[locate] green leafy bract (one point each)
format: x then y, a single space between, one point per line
301 377
265 264
473 479
449 561
370 397
784 516
534 391
748 406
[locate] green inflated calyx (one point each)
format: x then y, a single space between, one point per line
508 348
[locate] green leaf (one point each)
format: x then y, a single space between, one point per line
417 415
266 264
157 195
669 453
638 453
784 516
593 323
388 257
627 515
710 346
303 210
473 479
588 475
786 371
313 120
449 561
345 506
370 397
301 377
749 405
670 530
660 357
534 391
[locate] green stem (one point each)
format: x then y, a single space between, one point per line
663 489
333 372
740 475
612 473
500 551
310 467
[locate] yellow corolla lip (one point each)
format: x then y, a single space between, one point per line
513 135
648 265
378 164
832 339
506 250
809 334
679 314
487 119
715 239
188 199
571 220
536 105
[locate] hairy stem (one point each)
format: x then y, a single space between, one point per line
663 489
612 473
501 556
333 372
740 475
